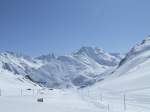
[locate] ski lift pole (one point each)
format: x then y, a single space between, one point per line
124 101
21 92
108 108
101 97
0 92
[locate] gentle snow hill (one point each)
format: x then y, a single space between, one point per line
54 101
11 84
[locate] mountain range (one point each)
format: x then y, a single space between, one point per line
84 67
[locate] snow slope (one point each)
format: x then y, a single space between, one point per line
128 87
18 94
133 72
12 81
54 101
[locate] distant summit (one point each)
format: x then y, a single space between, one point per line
47 57
100 56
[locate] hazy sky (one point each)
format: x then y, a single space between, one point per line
38 27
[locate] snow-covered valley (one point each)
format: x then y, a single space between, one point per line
89 80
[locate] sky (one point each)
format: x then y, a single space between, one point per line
36 27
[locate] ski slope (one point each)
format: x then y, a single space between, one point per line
54 101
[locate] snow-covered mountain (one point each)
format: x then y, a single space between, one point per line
133 71
120 85
127 88
18 63
13 69
46 58
99 55
79 69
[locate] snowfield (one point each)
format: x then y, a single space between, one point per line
54 101
18 94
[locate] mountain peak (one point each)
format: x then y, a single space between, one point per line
47 57
146 40
16 55
85 49
10 53
99 55
140 47
89 50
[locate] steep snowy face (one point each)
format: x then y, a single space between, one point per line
141 47
138 49
99 55
118 56
17 63
135 58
